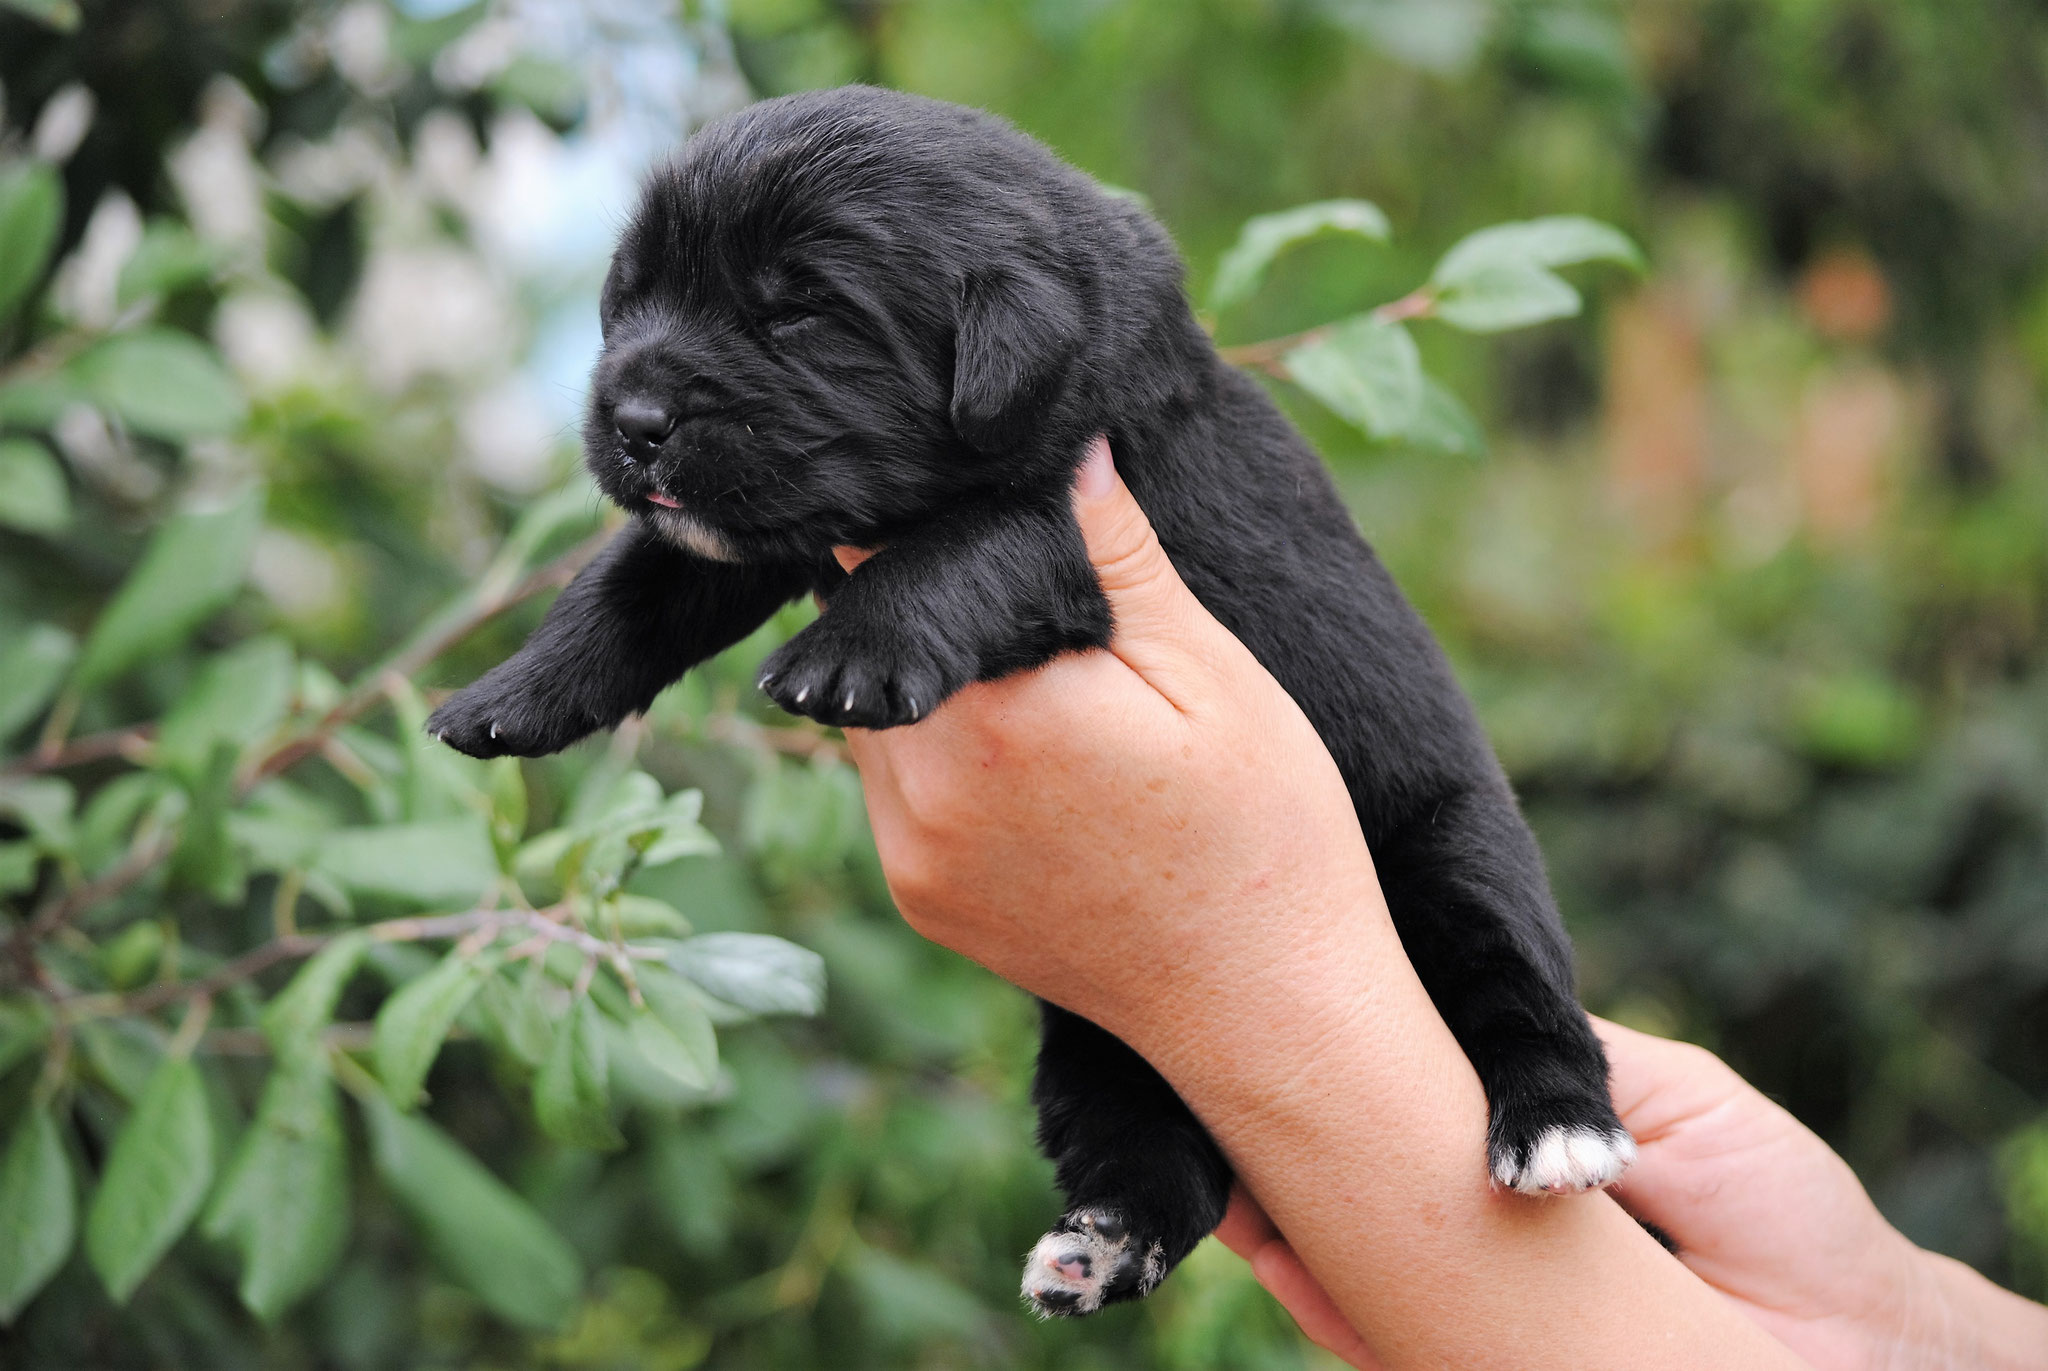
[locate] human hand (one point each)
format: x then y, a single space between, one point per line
1156 838
1175 751
1762 1210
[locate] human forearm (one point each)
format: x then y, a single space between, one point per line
1352 1115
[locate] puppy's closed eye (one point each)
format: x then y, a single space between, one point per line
791 321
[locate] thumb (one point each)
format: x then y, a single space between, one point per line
1155 614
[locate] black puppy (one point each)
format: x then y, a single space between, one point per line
857 317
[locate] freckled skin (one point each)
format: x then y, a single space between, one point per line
861 318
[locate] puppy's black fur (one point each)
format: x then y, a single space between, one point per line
857 317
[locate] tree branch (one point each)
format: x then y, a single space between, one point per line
1270 355
429 642
94 747
423 647
543 925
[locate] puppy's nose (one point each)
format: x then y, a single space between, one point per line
642 424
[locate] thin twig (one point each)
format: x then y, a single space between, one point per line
61 910
93 747
422 648
790 742
435 638
1270 355
230 973
250 1042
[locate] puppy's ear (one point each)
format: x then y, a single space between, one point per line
1018 332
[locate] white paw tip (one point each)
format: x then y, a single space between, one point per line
803 695
1565 1161
849 701
1070 1271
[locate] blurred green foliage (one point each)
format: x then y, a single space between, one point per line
1750 587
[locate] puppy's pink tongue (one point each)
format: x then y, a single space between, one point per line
663 500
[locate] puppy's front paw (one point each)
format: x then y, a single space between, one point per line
489 720
1092 1257
1562 1159
853 675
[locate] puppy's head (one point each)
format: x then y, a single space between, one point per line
834 313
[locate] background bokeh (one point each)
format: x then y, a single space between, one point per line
1750 586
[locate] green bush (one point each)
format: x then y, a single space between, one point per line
320 1044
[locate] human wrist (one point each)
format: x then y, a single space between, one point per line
1957 1320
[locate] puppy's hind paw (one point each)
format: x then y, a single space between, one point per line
1564 1160
1090 1259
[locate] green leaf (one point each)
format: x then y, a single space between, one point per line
1443 423
506 793
449 862
514 1015
1365 369
163 383
756 972
237 697
31 211
1433 35
1265 237
18 861
628 822
37 401
169 256
415 1021
909 1302
626 915
123 1053
38 1210
61 15
571 1095
44 806
571 508
283 1203
1560 240
24 1027
482 1234
107 828
134 955
1506 296
192 568
206 858
298 1014
674 1035
32 667
2023 1162
155 1178
33 495
1858 718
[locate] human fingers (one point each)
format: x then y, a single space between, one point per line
1247 1231
1277 1268
1245 1227
1162 632
851 557
1657 1082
